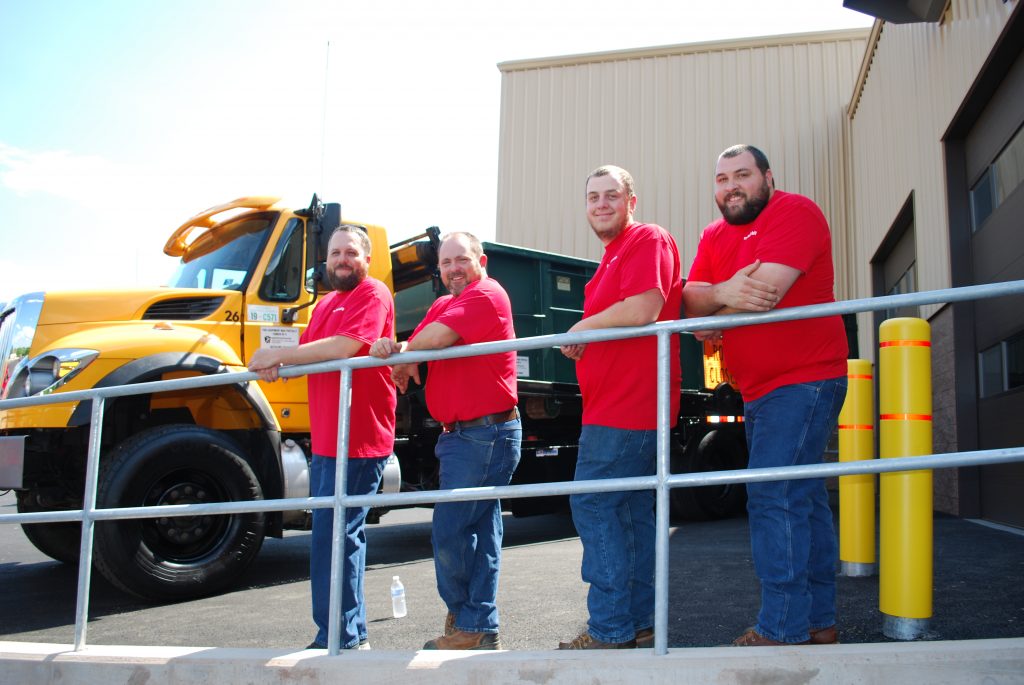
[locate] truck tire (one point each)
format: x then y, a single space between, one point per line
60 541
683 501
169 559
716 450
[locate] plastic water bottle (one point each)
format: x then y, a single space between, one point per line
397 597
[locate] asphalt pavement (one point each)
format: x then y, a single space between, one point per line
713 595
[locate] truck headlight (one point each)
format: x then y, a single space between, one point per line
43 374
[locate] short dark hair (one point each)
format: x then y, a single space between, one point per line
360 234
618 172
759 157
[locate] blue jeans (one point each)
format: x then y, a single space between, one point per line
363 479
467 535
617 532
792 539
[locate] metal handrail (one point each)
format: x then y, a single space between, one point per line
662 481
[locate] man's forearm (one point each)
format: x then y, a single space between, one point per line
636 310
433 336
701 300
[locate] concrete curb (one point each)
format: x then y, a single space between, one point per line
992 662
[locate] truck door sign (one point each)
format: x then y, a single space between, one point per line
278 337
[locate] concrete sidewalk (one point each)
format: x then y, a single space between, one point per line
989 662
713 596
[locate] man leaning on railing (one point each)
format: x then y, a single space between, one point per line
637 283
474 399
343 325
771 250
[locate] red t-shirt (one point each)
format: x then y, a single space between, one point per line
471 387
365 313
619 378
791 230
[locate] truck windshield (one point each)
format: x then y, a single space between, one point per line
230 266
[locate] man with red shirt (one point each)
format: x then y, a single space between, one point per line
771 250
637 283
474 399
344 324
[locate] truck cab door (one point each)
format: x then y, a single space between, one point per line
282 286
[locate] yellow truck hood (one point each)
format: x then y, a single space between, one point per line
90 306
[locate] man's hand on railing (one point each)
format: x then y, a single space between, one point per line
382 348
573 352
265 362
400 373
708 335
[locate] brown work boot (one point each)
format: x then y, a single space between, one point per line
824 636
752 638
645 638
585 641
449 623
460 639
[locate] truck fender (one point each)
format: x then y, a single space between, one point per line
152 367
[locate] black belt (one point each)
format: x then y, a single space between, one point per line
489 420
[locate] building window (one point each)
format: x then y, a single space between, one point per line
895 263
998 181
1001 366
906 283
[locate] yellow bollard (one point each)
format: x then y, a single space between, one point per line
857 493
905 430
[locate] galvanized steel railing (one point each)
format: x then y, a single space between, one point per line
662 481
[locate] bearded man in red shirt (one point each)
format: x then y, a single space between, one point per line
772 250
343 325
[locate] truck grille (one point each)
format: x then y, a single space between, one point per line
183 308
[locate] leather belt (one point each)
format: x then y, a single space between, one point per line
489 420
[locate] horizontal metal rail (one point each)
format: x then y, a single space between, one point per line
406 499
943 296
662 482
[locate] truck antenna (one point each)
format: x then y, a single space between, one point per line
323 122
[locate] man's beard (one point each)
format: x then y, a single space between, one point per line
346 283
749 210
457 290
610 233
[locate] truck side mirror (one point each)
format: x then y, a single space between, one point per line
329 220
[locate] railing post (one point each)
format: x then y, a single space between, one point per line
905 430
857 493
338 532
92 467
662 499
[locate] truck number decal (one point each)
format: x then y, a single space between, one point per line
231 316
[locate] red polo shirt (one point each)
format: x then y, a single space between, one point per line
467 388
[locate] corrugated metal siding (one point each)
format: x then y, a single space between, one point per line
916 80
665 114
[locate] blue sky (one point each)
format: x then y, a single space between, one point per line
119 120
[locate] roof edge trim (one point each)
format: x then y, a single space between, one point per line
865 67
685 49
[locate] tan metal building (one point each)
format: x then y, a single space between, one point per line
665 113
907 135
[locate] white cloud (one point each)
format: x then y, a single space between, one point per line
80 178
